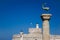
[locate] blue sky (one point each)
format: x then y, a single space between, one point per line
17 15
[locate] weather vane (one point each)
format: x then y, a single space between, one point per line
44 7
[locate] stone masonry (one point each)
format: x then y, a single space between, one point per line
38 33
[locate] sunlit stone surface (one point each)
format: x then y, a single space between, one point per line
37 33
46 18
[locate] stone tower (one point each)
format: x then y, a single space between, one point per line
45 19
